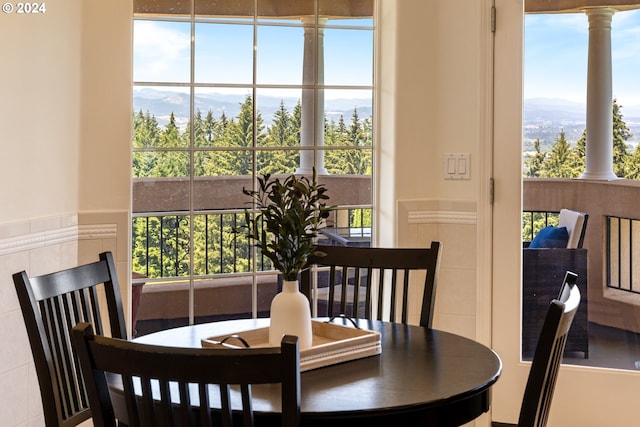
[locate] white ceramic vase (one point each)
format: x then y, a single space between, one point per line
290 315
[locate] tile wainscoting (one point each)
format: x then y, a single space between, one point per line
454 224
39 246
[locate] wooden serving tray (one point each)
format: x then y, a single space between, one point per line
331 344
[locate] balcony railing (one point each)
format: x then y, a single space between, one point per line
623 253
622 246
612 240
194 267
162 242
534 221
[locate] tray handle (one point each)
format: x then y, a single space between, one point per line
343 316
237 337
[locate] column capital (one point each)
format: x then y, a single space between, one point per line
311 20
599 15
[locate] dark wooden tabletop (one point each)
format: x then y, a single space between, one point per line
423 376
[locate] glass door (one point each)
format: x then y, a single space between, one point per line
582 392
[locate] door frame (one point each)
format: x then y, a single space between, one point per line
582 393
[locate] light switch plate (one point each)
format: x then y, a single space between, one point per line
457 166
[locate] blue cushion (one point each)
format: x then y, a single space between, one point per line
551 237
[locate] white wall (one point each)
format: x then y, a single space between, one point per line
40 81
65 115
104 188
434 85
105 166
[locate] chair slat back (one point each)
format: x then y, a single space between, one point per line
354 273
52 305
168 386
547 358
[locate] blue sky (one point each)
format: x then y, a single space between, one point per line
224 54
556 57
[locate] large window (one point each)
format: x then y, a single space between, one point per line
226 91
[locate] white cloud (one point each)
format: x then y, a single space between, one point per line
161 51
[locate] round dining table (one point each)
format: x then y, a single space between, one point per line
422 377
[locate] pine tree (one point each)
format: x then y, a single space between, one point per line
621 134
209 129
341 132
578 156
282 135
354 161
146 134
533 163
556 164
240 134
632 165
145 131
336 135
355 130
296 124
170 137
279 134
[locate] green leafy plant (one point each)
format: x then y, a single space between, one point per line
289 213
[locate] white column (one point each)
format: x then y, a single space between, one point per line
312 126
599 145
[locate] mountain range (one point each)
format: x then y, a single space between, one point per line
162 103
543 118
553 110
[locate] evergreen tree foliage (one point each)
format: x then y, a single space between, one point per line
565 161
345 159
533 162
577 157
621 134
222 147
283 133
170 137
632 165
296 122
146 132
556 164
210 131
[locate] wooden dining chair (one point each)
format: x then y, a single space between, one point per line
547 358
169 386
351 276
51 305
